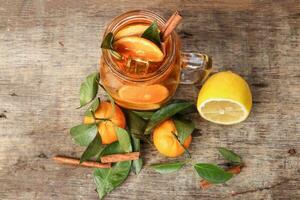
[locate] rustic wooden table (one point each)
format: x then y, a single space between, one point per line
48 47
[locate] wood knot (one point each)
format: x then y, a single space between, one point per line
42 155
2 115
61 44
292 152
184 34
13 94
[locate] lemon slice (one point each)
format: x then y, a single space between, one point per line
225 98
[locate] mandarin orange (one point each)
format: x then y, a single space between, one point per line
106 129
166 142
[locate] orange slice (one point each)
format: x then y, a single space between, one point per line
131 30
139 48
144 94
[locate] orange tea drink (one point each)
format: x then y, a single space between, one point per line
141 60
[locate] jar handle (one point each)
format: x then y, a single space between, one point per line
195 67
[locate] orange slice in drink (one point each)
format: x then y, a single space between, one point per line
139 48
131 30
144 94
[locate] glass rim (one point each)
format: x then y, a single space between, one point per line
125 18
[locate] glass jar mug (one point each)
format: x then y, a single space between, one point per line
156 84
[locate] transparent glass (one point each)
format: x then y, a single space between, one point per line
148 91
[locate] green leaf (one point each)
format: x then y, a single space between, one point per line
89 89
190 110
144 114
136 164
136 124
93 107
152 34
108 41
112 148
108 179
165 168
84 134
181 144
136 144
165 113
94 148
184 129
230 155
124 139
212 173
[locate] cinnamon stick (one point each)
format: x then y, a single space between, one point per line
170 25
204 184
120 157
169 20
73 161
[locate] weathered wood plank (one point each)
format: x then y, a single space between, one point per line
48 47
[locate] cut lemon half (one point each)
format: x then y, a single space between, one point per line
131 30
144 94
225 98
138 48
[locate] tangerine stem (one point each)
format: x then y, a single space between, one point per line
185 149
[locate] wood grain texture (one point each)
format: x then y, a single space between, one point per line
47 48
